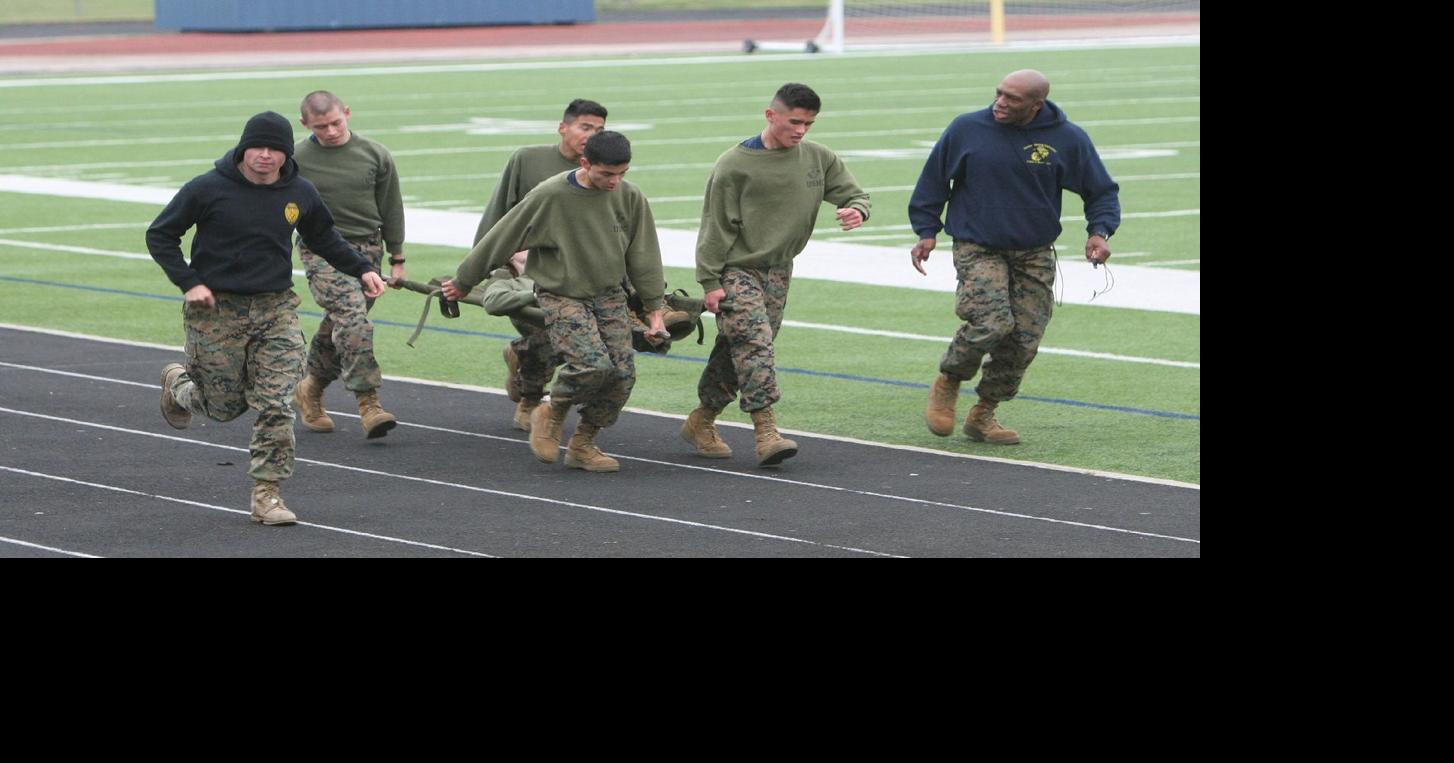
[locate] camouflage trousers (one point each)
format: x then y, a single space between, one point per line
343 347
246 353
537 358
743 359
592 341
1005 298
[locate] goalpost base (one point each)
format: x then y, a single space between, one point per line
752 46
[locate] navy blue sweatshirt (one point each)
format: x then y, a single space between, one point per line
244 240
1007 181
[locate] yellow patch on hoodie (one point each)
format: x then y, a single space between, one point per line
291 213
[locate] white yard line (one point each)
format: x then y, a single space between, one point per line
801 324
1139 288
89 251
1045 350
73 228
519 101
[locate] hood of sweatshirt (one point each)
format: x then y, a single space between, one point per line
227 167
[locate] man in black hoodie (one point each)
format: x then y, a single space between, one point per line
244 346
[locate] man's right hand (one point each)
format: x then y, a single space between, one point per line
920 253
713 300
200 295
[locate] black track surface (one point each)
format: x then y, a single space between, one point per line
454 480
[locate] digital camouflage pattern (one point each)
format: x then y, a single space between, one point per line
743 359
592 341
537 358
343 347
1005 298
247 352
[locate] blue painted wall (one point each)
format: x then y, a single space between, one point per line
270 15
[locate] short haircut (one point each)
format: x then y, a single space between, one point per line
796 96
608 147
582 106
319 102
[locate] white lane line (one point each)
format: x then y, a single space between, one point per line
819 486
442 483
19 542
329 528
781 480
87 377
89 338
659 414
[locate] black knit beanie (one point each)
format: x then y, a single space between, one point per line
269 129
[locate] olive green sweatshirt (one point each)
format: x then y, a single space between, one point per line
525 170
360 185
762 204
582 242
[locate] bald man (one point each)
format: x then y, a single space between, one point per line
359 182
1001 171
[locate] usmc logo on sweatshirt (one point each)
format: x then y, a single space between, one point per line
815 177
1039 152
620 222
290 213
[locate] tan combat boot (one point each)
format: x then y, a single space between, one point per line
177 416
943 395
308 400
268 507
677 319
523 409
512 374
981 426
700 432
582 453
376 421
772 449
545 424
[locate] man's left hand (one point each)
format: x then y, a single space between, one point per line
373 284
850 218
452 291
1097 250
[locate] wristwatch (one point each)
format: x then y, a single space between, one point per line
395 259
1102 234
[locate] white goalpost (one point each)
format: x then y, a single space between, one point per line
874 24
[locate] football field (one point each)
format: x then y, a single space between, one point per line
88 161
